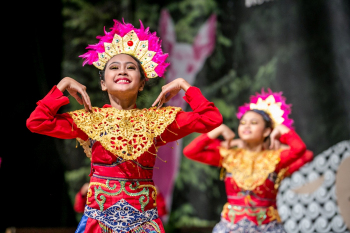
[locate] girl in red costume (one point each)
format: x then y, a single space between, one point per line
268 150
120 139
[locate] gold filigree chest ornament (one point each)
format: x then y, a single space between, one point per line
249 169
125 133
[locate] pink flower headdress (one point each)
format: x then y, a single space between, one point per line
272 103
124 38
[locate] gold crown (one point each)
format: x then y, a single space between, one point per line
272 108
129 44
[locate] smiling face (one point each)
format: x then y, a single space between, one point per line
252 128
122 75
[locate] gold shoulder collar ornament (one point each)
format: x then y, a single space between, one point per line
125 133
249 169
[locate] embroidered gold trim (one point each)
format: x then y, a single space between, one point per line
154 193
88 195
280 176
272 213
125 133
261 213
249 169
154 225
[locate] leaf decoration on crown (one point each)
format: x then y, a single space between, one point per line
273 103
124 38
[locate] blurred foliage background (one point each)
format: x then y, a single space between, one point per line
299 47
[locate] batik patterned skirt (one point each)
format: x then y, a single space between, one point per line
246 226
120 218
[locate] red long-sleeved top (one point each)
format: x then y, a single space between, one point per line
45 120
206 150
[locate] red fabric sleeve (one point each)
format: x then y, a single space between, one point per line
205 150
161 207
296 165
79 202
45 120
203 118
297 149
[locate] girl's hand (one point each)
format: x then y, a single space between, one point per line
276 134
73 87
226 133
170 90
237 142
84 189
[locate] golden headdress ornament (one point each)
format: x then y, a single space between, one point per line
126 39
273 104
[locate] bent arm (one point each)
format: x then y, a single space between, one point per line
296 148
205 150
204 118
297 164
79 202
45 120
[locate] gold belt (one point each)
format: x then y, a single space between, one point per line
260 213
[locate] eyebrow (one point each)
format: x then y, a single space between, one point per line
252 119
117 62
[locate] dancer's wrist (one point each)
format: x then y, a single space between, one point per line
63 84
184 84
215 133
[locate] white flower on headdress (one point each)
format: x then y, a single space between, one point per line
272 108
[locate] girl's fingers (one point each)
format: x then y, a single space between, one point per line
166 94
86 99
77 97
157 100
228 144
272 144
85 106
161 102
277 145
160 96
168 97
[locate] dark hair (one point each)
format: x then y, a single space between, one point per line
142 73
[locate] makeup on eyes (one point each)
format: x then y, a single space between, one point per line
133 67
253 121
118 63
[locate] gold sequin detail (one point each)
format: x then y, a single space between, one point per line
249 169
260 213
125 133
88 195
272 213
154 193
280 176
